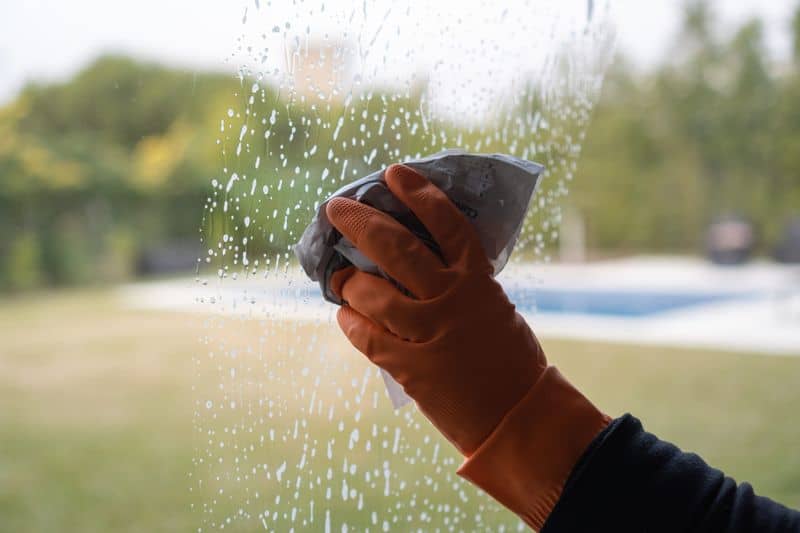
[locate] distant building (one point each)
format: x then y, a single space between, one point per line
323 70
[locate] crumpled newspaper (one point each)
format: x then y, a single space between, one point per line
492 190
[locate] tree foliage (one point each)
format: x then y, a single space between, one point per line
712 132
121 157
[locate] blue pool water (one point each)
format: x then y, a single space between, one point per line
610 303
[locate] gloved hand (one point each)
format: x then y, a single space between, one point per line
459 349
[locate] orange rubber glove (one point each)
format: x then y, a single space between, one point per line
459 348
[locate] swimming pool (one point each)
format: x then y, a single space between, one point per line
612 303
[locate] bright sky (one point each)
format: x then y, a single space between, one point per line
51 39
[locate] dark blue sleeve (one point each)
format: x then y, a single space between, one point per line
629 481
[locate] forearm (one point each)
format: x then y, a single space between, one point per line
557 463
563 466
628 480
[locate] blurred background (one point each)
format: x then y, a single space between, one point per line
110 117
672 290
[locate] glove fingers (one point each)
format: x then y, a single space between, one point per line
338 279
381 302
396 250
379 345
446 223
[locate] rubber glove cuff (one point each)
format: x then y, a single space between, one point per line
526 461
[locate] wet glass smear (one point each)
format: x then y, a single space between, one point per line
293 429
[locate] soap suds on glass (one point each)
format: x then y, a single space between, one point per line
293 428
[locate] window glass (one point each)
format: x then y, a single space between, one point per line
293 428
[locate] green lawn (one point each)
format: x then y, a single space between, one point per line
101 429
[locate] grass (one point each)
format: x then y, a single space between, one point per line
103 425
